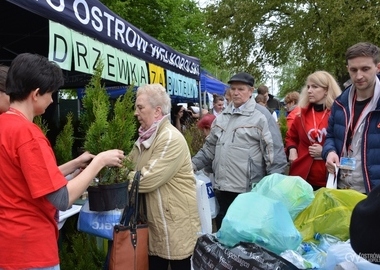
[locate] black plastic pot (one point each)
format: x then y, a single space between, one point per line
107 197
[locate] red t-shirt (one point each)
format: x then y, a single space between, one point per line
28 171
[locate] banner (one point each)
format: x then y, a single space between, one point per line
96 21
69 48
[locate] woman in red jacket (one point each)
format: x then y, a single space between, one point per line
305 138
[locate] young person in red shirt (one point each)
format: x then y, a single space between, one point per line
32 187
307 134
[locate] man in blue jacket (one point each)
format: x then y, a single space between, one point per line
353 134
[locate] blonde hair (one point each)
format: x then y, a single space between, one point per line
325 80
157 96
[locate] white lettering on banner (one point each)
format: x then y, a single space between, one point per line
97 22
102 226
174 60
135 40
104 21
59 8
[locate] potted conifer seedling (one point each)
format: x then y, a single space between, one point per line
105 127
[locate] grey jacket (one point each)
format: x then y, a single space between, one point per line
242 147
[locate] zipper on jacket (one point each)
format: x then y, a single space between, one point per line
233 136
346 124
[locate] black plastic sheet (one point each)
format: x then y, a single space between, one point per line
209 254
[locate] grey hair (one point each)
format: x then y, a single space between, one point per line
157 96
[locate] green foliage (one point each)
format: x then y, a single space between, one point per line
283 124
96 138
68 94
79 250
95 97
108 127
194 138
65 141
42 123
315 33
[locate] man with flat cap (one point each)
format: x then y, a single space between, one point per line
244 145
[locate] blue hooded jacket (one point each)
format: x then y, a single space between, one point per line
370 148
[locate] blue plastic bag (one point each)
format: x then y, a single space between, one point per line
293 191
99 224
255 218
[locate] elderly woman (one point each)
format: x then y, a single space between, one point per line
162 155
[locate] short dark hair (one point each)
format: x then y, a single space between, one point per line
262 89
3 77
365 49
217 98
260 98
28 72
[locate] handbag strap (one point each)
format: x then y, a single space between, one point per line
141 216
131 209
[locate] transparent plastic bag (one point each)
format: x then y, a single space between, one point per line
326 240
343 252
214 206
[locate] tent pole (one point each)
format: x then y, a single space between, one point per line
200 99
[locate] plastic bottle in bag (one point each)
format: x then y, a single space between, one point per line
314 255
326 240
303 248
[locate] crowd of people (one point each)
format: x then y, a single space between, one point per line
327 128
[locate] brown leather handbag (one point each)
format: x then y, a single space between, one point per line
130 237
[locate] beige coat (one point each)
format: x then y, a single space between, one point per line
167 179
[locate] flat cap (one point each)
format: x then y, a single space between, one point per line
242 77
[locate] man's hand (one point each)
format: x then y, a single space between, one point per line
332 160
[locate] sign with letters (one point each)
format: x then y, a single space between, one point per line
69 48
97 22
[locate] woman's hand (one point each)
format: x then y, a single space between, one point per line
84 159
293 155
315 150
111 158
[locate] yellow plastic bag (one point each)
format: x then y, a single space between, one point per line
329 213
